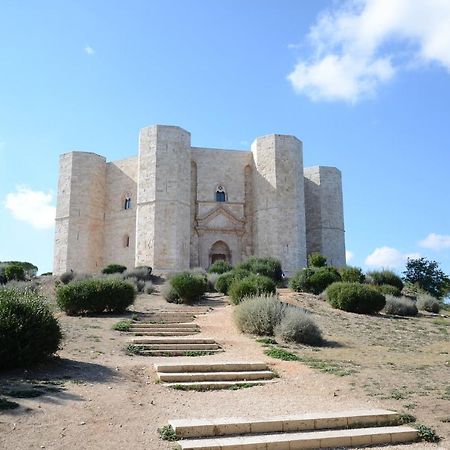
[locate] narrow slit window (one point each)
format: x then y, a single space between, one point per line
126 240
127 203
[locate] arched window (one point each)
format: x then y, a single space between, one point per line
126 240
127 203
220 194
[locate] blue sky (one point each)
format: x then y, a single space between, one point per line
365 85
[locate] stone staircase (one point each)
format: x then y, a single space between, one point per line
163 329
174 346
318 430
208 376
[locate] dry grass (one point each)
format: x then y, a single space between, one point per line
404 361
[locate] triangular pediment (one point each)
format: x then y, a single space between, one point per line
220 218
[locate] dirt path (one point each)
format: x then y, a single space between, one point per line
98 397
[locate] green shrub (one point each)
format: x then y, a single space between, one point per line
355 297
269 267
225 280
95 295
67 277
169 293
251 286
259 315
46 274
22 286
149 288
28 331
426 302
143 273
400 306
298 326
14 272
380 277
212 279
316 260
388 289
189 287
114 268
220 267
352 274
3 279
314 280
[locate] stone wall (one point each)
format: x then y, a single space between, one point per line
325 213
279 215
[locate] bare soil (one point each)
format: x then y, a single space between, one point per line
96 396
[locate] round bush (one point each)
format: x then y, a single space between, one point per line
400 306
315 259
426 302
28 331
169 293
149 288
269 267
220 267
352 274
142 273
95 295
189 286
388 289
355 297
259 315
114 268
251 286
314 280
212 279
14 272
298 326
224 281
385 277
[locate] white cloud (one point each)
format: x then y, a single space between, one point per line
363 43
348 255
388 257
31 206
436 241
89 50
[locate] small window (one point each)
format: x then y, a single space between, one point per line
127 203
126 240
220 194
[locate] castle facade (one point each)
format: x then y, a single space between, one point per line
174 206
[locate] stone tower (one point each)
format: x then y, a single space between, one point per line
163 228
80 213
279 207
325 214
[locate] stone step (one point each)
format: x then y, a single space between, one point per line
213 385
176 352
151 341
172 377
316 439
150 330
229 366
164 333
186 347
274 424
164 325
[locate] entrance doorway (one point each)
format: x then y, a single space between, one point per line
219 252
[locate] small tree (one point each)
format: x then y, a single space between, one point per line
14 272
428 276
316 260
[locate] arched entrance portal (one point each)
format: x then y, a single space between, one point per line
219 252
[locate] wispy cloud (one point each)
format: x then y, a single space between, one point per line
349 255
33 207
436 241
388 257
361 44
89 50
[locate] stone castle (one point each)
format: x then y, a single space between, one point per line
175 206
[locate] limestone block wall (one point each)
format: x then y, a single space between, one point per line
325 213
80 213
120 223
279 214
164 192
